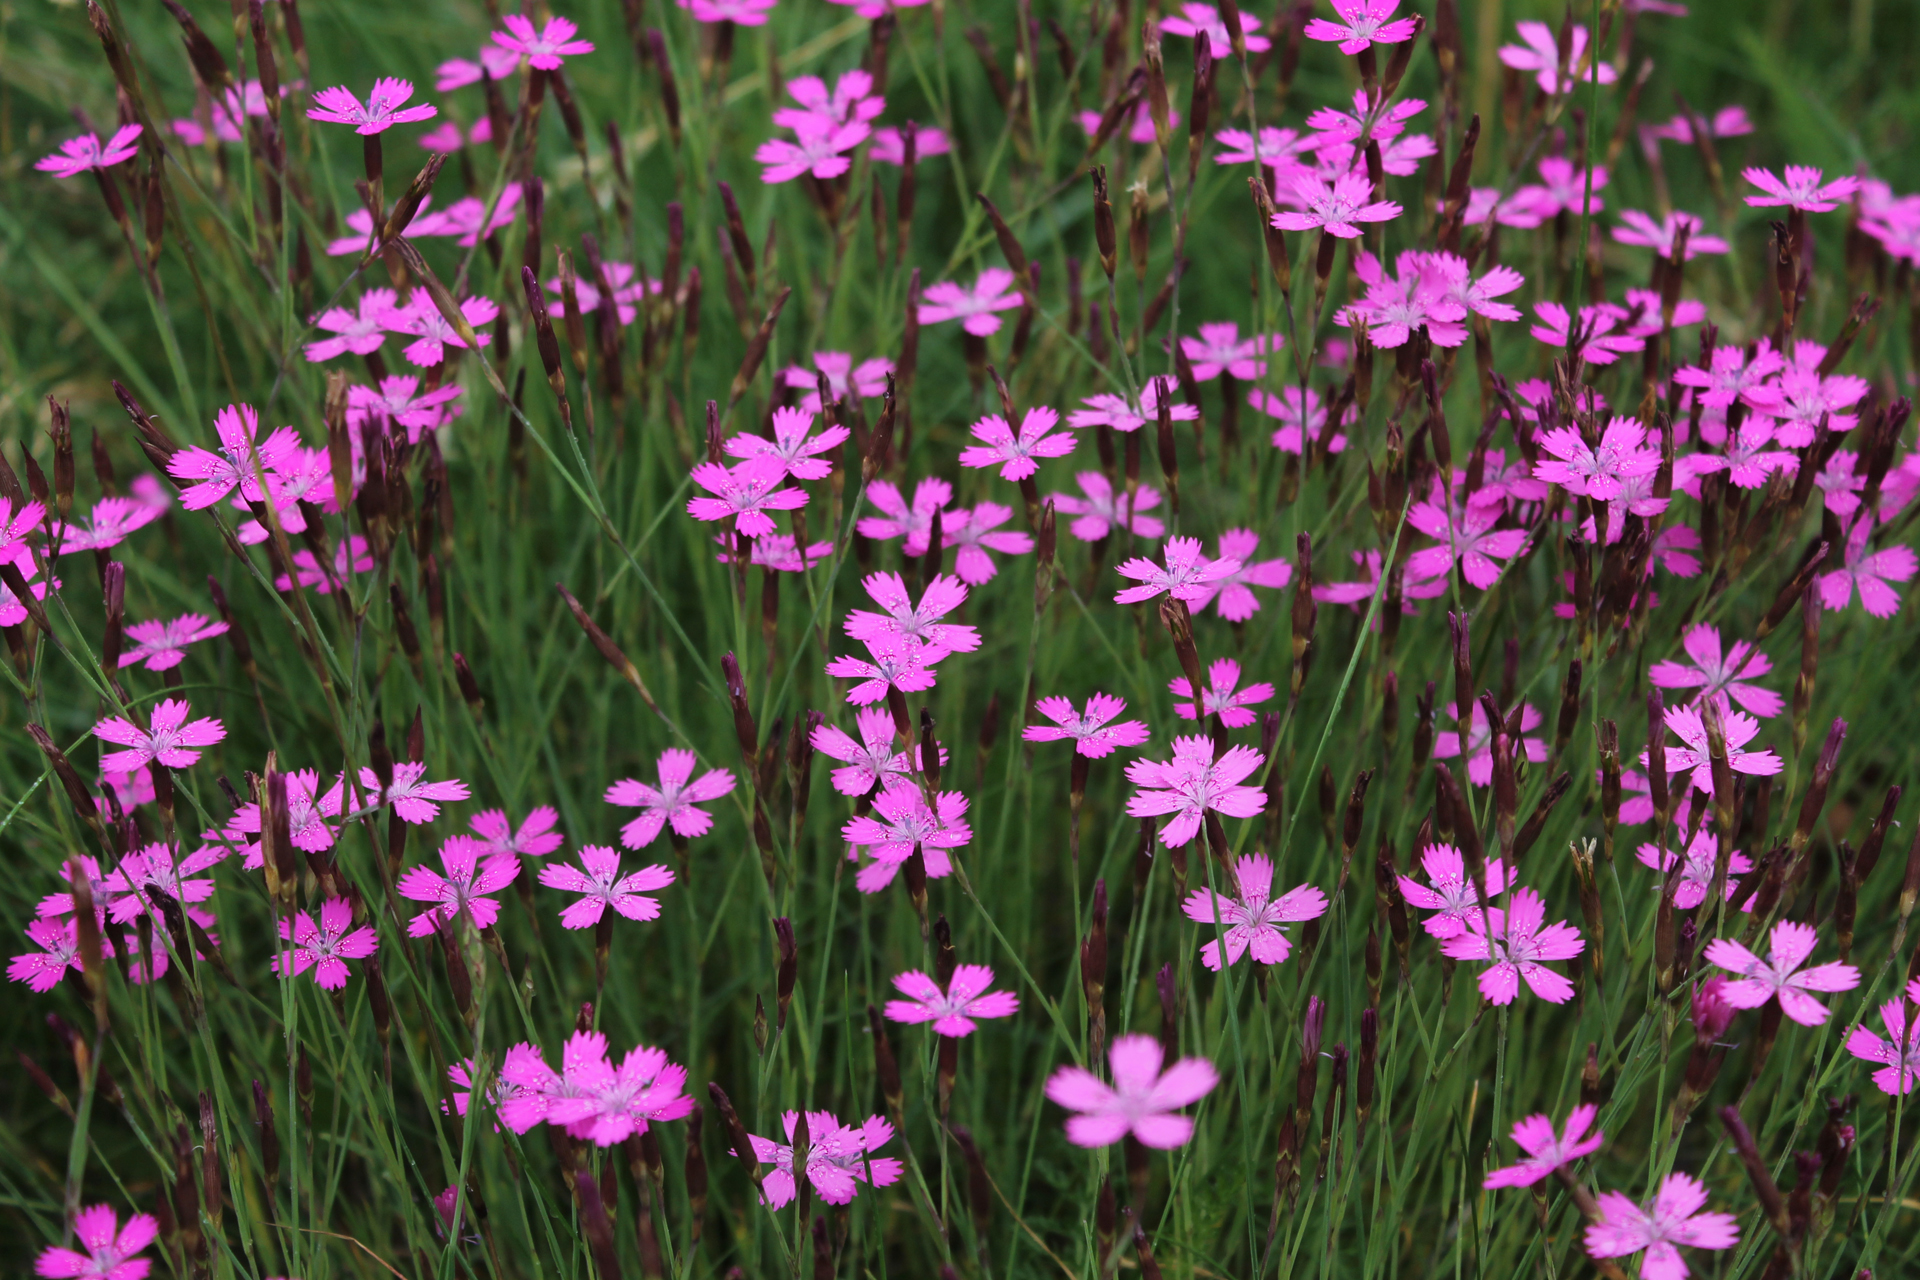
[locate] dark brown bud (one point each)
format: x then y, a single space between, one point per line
1764 1188
206 59
1009 245
1105 235
885 1069
786 966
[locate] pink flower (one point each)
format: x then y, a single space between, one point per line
423 321
110 523
1337 207
1841 481
1232 595
900 823
1088 730
78 155
545 47
1592 334
745 13
1139 130
1696 875
1545 1150
1198 20
325 948
818 152
1452 897
1563 188
1102 509
673 802
1304 418
1341 129
1801 190
599 882
169 739
110 1248
992 290
1480 744
360 331
1517 946
1108 410
919 625
1477 293
458 73
627 292
1016 454
1539 52
973 535
612 1103
902 664
1690 727
1715 675
1900 1053
1357 593
868 380
528 1086
1780 976
872 759
1219 697
839 1158
1731 373
1469 537
471 875
1141 1101
349 557
1641 229
897 519
307 815
399 400
778 552
1491 204
535 839
1220 349
952 1012
1624 1228
746 493
1186 574
889 145
1597 471
1276 148
800 454
1191 784
12 611
59 943
1728 122
128 891
1252 917
384 106
852 99
233 466
413 798
161 645
1419 297
1363 23
1870 571
1802 398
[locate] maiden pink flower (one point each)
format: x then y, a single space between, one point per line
1641 229
1089 731
86 152
1696 875
1139 129
1480 744
976 535
1801 399
1801 190
1220 349
400 400
1303 418
801 455
1780 975
1563 188
1592 333
1516 948
898 519
952 1012
1900 1052
628 293
528 1086
1547 1151
233 466
1363 24
1198 20
920 624
1336 129
1539 52
872 759
1470 538
893 662
160 645
889 146
413 798
868 379
326 947
1690 727
458 73
307 814
1142 1100
1727 122
384 108
1336 207
1675 1219
169 738
110 1247
1251 917
1017 454
1276 148
974 306
1597 472
1102 510
349 557
433 335
1187 573
1220 696
536 837
1449 892
110 523
1193 783
746 493
1356 594
599 882
1418 297
1108 410
778 552
1714 674
1731 373
900 823
471 875
13 612
851 100
1868 571
672 803
745 13
839 1158
612 1104
820 151
59 943
128 891
1232 595
360 331
544 47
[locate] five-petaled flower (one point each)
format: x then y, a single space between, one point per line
239 463
1596 471
1900 1053
1696 873
1539 52
838 1158
472 873
110 1247
1142 1101
161 644
326 947
599 882
1016 453
414 798
1675 1219
1716 674
1546 1150
1102 510
1187 573
952 1011
1869 572
169 738
86 152
1801 190
1519 941
900 823
974 306
610 1104
672 803
1090 731
1199 20
802 455
1446 744
1221 696
1689 725
1232 594
746 493
536 837
543 47
872 758
1780 976
1193 784
1471 537
892 662
1363 24
385 106
1336 207
915 624
1450 892
1251 917
59 943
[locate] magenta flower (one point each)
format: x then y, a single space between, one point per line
528 1086
900 823
1142 1100
871 760
86 152
1801 398
59 943
1696 875
1335 129
1097 514
160 645
1089 731
839 1158
1841 481
1592 333
904 621
350 556
868 379
169 738
307 815
612 1104
1186 574
400 400
471 875
1220 696
672 803
536 837
1419 296
384 108
433 335
889 145
1732 373
1336 207
233 466
458 73
1597 471
1714 675
1252 917
414 798
745 493
1363 23
1900 1053
1689 726
1870 572
325 948
1563 188
110 1247
1304 418
1780 976
111 522
901 664
628 293
1480 744
599 882
1451 897
1728 122
545 47
799 454
975 535
1232 595
851 99
1139 129
1220 349
952 1012
1109 410
1516 948
1198 20
1357 593
897 519
1539 52
128 891
360 331
1545 1150
1191 784
1801 190
12 611
974 306
1675 1219
1016 454
778 552
1275 148
1470 538
820 151
1641 229
745 13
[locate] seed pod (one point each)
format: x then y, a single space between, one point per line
1792 591
1657 762
607 648
1158 109
1537 820
1363 1083
1169 991
459 980
1105 234
1457 184
1816 796
1045 540
1307 1077
1305 613
1803 682
201 52
786 966
1275 240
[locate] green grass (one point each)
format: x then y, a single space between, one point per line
532 505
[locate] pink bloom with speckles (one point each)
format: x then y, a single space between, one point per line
536 837
1251 918
1519 942
746 493
600 885
86 152
1017 453
110 1247
1102 510
1713 672
673 802
1142 1100
1449 892
1802 189
471 874
385 106
545 47
1546 1150
952 1011
1186 574
974 306
1676 1219
1869 572
160 644
1193 783
1090 731
1221 697
1780 976
1336 207
1900 1052
326 947
169 738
